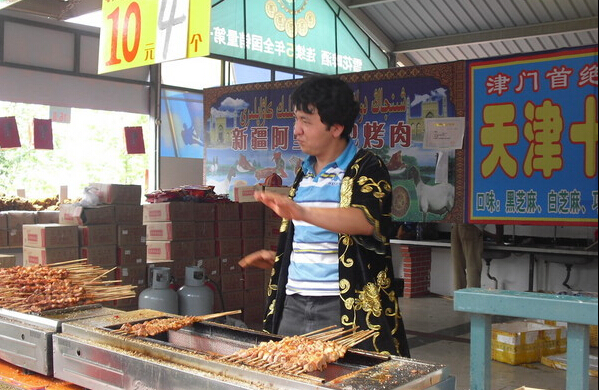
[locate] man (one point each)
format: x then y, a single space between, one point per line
333 264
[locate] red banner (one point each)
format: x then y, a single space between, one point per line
42 134
9 134
134 139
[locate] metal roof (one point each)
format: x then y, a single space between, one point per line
419 32
423 32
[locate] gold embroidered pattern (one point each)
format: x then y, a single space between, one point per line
346 241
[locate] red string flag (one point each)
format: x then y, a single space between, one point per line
42 134
9 133
134 139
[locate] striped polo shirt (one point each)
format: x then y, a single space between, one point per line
314 268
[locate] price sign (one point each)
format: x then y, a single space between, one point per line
144 32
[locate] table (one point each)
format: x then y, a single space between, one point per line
578 311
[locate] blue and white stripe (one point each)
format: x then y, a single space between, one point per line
314 268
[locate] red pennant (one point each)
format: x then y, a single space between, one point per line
9 133
134 137
42 134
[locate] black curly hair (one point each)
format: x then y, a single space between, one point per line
332 97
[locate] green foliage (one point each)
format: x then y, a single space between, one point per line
89 149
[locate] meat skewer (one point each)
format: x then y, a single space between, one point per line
301 354
159 325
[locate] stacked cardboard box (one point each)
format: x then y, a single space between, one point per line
49 243
112 235
11 226
170 235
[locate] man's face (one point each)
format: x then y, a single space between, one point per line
311 134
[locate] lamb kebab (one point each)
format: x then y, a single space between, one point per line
158 325
300 354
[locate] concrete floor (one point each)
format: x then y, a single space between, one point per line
437 333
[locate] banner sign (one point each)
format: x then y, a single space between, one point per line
42 134
9 133
137 33
533 139
249 136
315 36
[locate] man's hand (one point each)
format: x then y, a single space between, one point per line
263 258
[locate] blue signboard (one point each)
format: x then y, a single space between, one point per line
533 139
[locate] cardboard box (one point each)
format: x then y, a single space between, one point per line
74 214
134 275
228 247
227 211
205 249
227 229
50 235
7 261
128 214
278 190
118 193
232 300
128 255
16 219
271 243
253 279
204 229
47 216
204 211
252 211
522 341
229 265
14 224
243 194
43 256
4 237
3 220
251 245
272 229
211 267
252 228
167 231
254 297
232 282
97 235
168 211
102 255
129 235
170 250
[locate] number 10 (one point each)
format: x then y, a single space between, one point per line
128 54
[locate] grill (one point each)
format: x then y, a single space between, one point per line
89 353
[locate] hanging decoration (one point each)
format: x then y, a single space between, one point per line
134 139
42 134
9 133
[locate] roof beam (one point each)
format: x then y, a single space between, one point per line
365 3
369 27
531 31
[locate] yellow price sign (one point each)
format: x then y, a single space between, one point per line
144 32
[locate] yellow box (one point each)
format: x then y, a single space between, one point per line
593 335
521 341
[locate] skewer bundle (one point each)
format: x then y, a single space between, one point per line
301 354
37 288
158 325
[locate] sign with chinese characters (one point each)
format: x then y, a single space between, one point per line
248 134
533 139
315 36
138 33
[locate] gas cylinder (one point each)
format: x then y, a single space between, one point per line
159 296
195 297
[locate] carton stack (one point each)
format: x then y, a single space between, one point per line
205 248
49 243
13 226
170 235
227 238
252 240
112 235
3 229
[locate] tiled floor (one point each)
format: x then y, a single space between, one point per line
437 333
